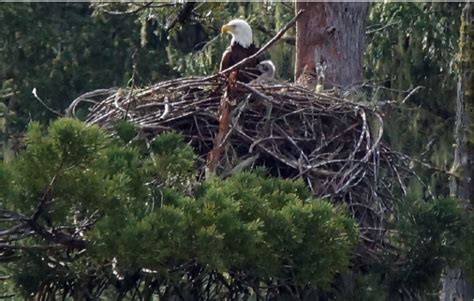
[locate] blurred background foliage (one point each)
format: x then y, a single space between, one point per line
414 45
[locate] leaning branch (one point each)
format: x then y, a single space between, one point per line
44 104
259 52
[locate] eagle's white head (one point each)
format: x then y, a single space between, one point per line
241 32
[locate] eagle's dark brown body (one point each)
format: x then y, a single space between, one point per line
234 54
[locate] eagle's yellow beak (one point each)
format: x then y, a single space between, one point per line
226 28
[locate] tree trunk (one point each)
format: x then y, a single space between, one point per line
455 286
330 43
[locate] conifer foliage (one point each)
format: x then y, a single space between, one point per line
91 214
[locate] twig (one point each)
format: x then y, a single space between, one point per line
136 10
382 28
44 104
411 93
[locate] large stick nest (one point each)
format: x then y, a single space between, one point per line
332 143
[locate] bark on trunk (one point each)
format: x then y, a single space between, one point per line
455 286
330 39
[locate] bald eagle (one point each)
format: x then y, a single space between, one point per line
241 47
